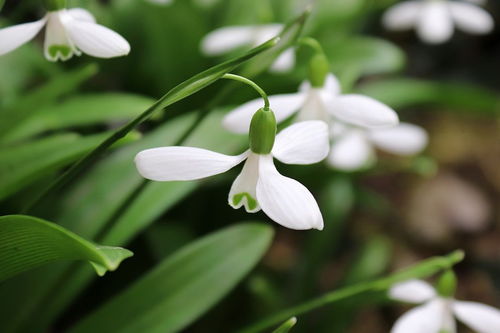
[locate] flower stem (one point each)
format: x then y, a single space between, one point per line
312 43
421 270
252 84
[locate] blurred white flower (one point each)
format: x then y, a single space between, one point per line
259 185
437 313
325 103
68 32
226 39
353 147
434 20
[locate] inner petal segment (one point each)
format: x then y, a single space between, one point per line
243 191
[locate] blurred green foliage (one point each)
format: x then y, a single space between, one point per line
52 114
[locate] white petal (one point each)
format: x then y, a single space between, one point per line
305 142
13 37
426 318
94 39
238 120
225 39
404 139
351 151
331 87
402 15
57 45
412 291
480 317
81 14
315 106
285 200
470 18
318 100
244 189
435 24
363 111
183 163
284 62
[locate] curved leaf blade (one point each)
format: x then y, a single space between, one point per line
27 242
185 285
19 167
286 326
82 110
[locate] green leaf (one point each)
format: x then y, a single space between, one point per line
80 111
401 93
96 197
19 69
185 285
366 55
286 326
44 95
27 242
20 165
421 270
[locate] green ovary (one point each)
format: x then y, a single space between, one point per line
64 50
252 203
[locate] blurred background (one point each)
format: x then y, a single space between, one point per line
377 220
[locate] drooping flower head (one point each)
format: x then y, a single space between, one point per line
226 39
356 122
438 309
259 185
434 20
67 32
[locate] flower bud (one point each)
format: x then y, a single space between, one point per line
447 284
319 67
54 5
262 131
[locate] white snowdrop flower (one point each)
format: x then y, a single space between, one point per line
226 39
437 313
434 20
353 147
259 185
67 32
319 103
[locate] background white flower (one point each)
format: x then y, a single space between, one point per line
353 147
68 32
226 39
437 313
434 20
325 103
259 185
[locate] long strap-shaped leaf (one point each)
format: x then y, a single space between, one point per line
27 242
185 285
421 270
181 91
